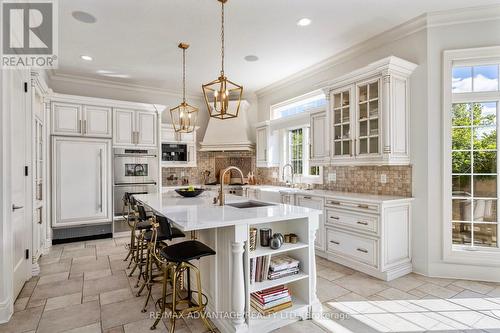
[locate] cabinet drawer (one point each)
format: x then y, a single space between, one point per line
359 248
368 223
357 206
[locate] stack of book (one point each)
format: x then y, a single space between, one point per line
281 266
258 268
272 300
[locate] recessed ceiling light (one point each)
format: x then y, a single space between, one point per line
304 22
251 58
102 71
86 57
83 17
121 76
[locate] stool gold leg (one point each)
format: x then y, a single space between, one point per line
163 300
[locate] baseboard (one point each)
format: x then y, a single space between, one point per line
35 269
81 239
6 310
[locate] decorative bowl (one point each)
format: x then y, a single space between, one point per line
189 194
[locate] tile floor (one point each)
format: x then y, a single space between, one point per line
83 288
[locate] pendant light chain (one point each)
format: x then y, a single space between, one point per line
222 40
184 75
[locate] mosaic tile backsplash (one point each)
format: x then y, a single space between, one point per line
212 162
358 179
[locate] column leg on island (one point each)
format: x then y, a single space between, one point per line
238 287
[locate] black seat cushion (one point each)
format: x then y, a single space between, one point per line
186 251
143 225
176 233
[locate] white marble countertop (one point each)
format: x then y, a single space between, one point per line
200 212
330 194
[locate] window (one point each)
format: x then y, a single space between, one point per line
304 103
298 153
296 146
472 97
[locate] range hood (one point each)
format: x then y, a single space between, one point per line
229 134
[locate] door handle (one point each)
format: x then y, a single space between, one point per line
14 207
100 180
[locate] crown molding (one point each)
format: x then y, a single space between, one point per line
77 99
419 23
408 28
78 79
463 15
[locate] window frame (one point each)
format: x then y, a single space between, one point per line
453 58
304 178
296 100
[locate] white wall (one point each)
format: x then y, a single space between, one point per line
456 36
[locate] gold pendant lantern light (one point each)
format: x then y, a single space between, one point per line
184 115
223 97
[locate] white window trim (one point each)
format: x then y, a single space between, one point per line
475 56
306 165
292 101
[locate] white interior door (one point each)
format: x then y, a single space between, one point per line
81 181
21 233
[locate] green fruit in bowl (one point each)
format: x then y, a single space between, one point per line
190 189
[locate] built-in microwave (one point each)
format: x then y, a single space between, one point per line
174 152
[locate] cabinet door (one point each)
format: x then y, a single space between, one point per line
342 120
315 203
145 128
81 181
66 119
97 121
262 134
168 135
319 137
123 127
367 119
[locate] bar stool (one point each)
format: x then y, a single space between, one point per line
159 242
141 223
176 259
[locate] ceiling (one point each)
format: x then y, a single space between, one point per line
139 38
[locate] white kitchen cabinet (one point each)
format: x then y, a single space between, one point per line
319 152
97 121
314 203
169 136
134 128
81 181
81 120
267 147
66 119
370 237
369 115
123 127
145 128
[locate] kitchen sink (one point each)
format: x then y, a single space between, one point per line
249 204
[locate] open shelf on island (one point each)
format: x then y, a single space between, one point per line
264 251
275 320
257 286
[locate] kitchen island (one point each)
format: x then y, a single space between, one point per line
226 276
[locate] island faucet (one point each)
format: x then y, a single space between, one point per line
283 171
221 190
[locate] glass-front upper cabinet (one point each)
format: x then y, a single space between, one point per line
342 123
368 120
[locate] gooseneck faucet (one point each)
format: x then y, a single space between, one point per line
221 190
291 168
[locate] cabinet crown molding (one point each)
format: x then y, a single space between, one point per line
391 65
56 97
